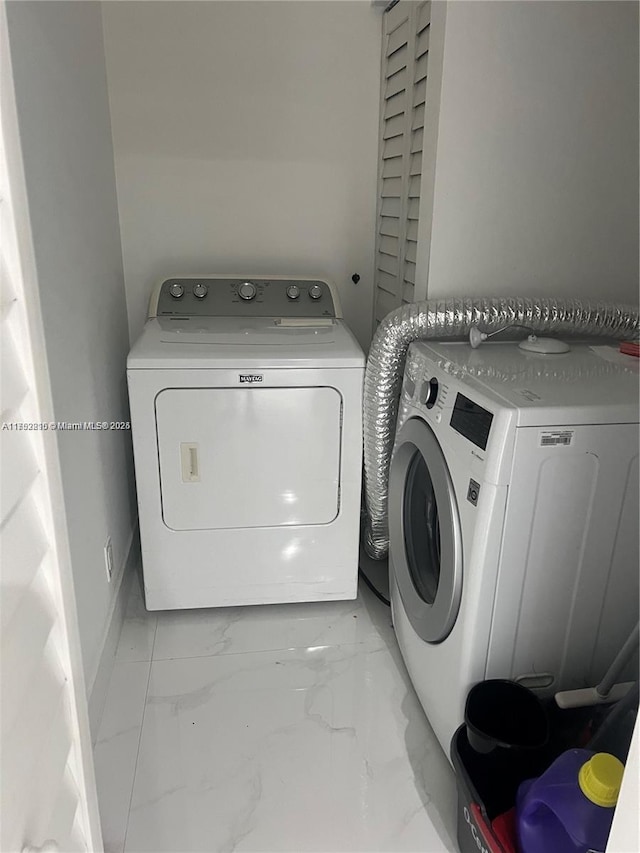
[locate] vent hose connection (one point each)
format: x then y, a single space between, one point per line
453 318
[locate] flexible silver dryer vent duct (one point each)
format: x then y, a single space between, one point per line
452 318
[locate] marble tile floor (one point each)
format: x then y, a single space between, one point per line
276 728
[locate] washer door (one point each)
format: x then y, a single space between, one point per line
425 533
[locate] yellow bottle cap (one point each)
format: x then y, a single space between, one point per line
600 779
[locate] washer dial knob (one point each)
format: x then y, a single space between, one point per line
176 290
200 290
315 292
431 392
293 291
247 290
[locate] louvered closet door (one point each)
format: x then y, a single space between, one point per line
403 95
47 791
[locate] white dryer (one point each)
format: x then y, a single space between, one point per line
513 519
247 435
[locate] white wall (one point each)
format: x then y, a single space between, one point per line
536 178
245 139
60 84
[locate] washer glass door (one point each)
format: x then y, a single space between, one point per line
422 529
425 538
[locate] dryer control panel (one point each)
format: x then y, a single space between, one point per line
244 297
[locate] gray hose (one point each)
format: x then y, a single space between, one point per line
452 318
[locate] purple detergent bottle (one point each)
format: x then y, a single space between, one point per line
570 807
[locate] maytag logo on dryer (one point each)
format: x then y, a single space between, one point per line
251 378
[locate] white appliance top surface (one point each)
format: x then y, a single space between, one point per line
592 383
229 342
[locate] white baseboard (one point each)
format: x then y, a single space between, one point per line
98 691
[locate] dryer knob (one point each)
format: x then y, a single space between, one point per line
247 290
293 291
315 292
176 290
200 290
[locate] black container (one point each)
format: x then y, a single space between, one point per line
488 780
487 785
502 713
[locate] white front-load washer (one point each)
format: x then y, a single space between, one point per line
247 434
513 513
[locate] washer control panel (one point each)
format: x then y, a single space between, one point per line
238 297
426 391
429 392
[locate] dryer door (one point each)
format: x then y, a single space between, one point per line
248 457
425 532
